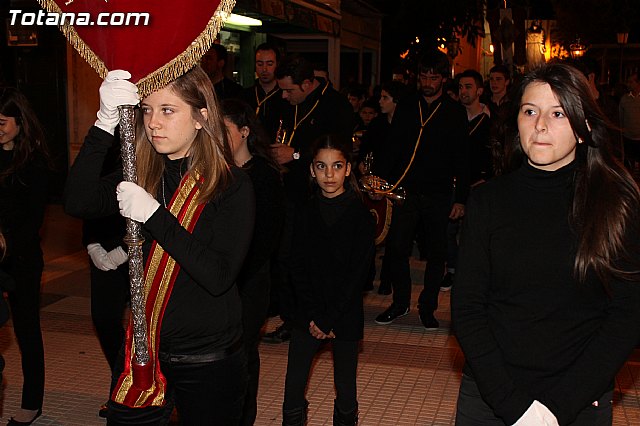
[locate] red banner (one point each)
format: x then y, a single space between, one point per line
156 41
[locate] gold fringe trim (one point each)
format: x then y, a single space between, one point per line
168 72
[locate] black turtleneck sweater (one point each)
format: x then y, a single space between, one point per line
203 311
528 329
331 255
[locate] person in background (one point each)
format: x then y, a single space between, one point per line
470 86
265 97
24 175
368 112
545 303
497 99
378 142
197 227
332 247
250 149
432 150
356 96
214 63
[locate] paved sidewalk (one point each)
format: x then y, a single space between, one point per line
407 376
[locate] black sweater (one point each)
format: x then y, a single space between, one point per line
528 329
331 255
203 312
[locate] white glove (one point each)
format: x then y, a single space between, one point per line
99 257
537 415
118 256
115 90
134 202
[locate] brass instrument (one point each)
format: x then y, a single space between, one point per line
281 134
375 185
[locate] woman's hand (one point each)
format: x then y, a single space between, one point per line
134 202
319 334
116 90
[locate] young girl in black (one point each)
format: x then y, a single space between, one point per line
332 247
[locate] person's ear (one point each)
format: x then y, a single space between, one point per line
205 115
480 91
244 131
348 169
313 173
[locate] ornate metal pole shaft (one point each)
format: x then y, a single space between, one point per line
134 239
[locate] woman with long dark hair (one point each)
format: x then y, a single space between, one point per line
250 149
545 304
24 173
197 213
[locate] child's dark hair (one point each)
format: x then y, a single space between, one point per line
338 143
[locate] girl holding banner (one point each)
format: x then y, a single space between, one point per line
197 214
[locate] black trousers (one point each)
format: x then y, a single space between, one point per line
473 411
204 394
254 293
25 313
431 212
302 350
109 296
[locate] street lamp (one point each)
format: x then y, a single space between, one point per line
622 38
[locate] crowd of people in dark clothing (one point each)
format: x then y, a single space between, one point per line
256 201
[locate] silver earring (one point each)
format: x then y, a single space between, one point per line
580 140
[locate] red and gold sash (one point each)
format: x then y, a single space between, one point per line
161 271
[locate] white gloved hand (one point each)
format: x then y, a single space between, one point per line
537 415
118 256
99 257
134 202
116 90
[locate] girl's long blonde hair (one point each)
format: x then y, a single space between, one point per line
209 154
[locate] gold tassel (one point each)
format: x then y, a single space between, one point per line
167 73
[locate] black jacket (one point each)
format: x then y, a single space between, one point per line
203 311
272 107
443 152
330 263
